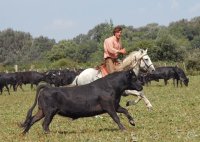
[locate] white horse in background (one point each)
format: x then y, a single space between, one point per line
136 60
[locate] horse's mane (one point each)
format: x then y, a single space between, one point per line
132 58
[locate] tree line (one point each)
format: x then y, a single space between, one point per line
177 42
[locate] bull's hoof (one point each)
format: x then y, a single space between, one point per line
22 125
132 122
123 129
23 133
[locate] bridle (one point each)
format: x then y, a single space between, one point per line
148 66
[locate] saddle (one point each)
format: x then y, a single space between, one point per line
102 68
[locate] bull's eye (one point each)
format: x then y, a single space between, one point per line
134 78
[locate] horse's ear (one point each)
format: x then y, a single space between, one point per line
141 51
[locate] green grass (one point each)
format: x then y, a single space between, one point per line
175 118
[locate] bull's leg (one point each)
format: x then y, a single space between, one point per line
177 81
15 87
140 96
47 120
1 90
31 86
108 106
181 83
174 80
125 112
7 89
165 81
20 86
39 115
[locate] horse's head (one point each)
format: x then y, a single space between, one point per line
145 62
138 61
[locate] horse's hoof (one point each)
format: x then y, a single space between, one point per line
47 132
150 108
98 116
124 94
130 103
127 104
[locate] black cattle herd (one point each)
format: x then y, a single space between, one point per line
98 97
53 77
66 76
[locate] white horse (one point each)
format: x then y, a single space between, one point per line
136 60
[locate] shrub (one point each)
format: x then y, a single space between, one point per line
193 64
64 63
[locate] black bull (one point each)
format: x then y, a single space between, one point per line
98 97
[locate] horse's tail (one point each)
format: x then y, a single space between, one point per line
75 82
29 113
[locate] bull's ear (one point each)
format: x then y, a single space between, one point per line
132 73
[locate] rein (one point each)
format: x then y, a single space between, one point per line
148 66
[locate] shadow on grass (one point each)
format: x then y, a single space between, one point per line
86 131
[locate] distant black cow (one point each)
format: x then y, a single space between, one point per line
3 83
8 79
60 77
166 73
98 97
181 77
30 77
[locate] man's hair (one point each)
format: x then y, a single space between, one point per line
117 29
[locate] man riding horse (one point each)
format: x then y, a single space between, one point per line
112 49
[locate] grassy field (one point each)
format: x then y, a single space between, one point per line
175 118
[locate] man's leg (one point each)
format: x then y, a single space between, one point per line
109 65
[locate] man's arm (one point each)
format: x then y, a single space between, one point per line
108 45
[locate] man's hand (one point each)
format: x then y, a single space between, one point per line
122 51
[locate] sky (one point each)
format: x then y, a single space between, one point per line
65 19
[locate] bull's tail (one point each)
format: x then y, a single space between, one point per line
29 113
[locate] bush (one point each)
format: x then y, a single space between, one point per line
64 63
193 64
